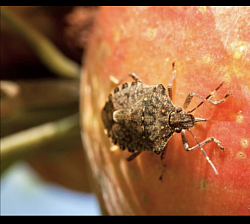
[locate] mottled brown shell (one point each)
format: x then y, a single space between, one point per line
136 117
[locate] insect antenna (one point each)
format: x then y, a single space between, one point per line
211 94
204 153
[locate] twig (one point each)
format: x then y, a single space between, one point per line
28 140
44 48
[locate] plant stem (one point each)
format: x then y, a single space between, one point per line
28 140
57 62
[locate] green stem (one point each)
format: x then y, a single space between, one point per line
28 140
44 48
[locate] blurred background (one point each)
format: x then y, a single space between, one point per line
43 167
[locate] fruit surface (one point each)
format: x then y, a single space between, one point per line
209 45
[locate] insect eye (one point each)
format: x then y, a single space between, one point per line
178 109
177 130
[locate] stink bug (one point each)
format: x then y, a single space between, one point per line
140 117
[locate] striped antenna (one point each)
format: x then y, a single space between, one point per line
206 98
204 153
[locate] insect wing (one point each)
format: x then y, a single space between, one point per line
125 96
140 124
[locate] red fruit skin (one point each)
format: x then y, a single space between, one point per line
209 45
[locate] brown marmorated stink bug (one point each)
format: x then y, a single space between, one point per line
141 117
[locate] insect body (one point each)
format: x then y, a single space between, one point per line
140 117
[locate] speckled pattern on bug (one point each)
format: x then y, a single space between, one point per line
140 117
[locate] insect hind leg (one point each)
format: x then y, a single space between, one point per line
135 77
116 81
133 156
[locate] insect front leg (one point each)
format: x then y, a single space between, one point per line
186 145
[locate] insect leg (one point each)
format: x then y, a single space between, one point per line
116 81
170 84
215 102
131 157
186 145
163 153
135 77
